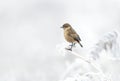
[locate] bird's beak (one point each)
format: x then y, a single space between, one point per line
61 27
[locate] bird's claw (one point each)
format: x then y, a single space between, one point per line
68 49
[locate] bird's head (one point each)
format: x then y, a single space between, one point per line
66 25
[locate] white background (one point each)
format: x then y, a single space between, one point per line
30 31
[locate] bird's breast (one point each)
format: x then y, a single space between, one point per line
68 37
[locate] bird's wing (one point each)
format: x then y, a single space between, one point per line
72 31
76 37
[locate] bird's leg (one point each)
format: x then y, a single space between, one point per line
71 44
70 47
74 44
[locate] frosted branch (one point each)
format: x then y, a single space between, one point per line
100 72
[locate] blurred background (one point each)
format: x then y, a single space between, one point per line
30 31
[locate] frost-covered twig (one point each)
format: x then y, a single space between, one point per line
79 56
91 63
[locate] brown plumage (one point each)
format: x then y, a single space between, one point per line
70 35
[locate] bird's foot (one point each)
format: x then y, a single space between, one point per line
68 49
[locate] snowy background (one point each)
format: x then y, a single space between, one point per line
30 36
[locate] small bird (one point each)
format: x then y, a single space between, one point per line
71 36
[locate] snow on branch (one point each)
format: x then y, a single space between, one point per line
81 77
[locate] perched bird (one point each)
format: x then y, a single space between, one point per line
70 35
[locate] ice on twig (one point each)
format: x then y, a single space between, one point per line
86 62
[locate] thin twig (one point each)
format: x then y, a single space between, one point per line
88 61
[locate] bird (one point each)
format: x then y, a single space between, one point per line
71 35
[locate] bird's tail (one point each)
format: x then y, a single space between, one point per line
80 44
